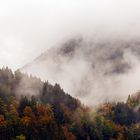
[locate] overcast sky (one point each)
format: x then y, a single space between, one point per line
29 27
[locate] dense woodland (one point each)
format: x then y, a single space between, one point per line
34 110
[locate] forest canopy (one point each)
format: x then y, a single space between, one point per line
34 110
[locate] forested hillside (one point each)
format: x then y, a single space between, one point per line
34 110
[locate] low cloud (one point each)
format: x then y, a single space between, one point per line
93 71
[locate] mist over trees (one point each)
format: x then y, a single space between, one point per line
52 114
81 64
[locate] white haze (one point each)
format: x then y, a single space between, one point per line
30 27
93 71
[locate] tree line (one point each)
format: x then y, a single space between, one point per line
34 110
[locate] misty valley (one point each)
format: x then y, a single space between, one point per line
69 69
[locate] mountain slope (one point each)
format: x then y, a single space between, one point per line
91 70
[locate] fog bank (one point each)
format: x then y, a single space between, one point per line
94 71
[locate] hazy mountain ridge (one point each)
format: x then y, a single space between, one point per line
86 68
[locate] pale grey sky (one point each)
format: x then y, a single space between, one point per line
29 27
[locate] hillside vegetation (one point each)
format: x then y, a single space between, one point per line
34 110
